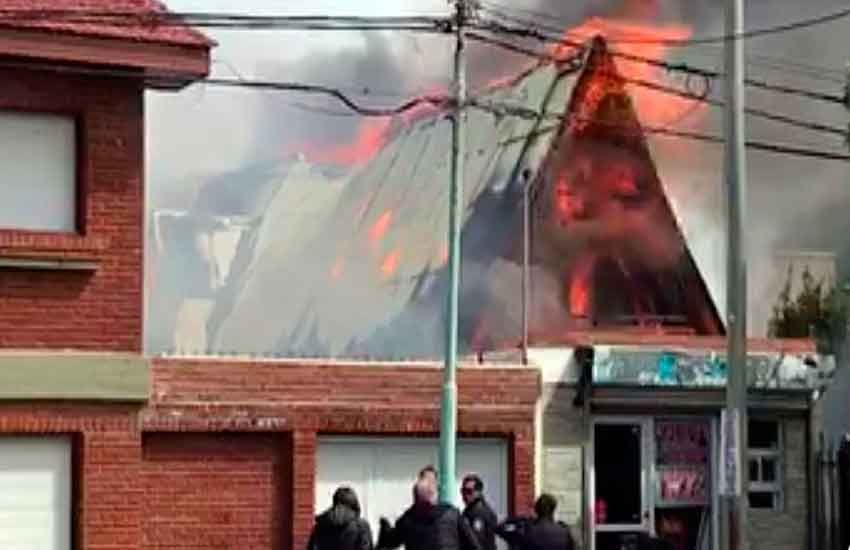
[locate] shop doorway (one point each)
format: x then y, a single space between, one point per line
651 477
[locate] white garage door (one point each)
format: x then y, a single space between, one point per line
382 471
35 493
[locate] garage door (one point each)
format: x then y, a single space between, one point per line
35 494
382 471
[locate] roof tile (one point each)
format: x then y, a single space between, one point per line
174 35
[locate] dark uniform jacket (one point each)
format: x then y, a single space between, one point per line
429 527
536 534
340 528
483 521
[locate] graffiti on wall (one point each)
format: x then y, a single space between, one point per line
693 368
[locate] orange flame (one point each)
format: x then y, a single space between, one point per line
654 107
372 135
379 228
579 287
390 263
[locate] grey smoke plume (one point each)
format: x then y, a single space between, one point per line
373 76
794 203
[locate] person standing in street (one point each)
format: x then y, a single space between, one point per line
340 527
427 525
540 533
478 512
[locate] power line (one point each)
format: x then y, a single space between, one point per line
813 71
148 20
348 23
783 65
516 48
331 92
334 93
791 26
533 33
502 109
167 18
686 94
435 100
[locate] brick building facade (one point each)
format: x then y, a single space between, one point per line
248 431
167 454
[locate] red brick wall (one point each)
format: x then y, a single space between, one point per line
83 310
292 383
310 400
225 456
213 491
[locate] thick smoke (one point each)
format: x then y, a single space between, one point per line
372 75
794 203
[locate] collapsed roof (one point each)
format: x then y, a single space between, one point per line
354 265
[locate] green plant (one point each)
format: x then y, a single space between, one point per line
818 311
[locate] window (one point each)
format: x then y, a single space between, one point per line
765 462
35 492
38 172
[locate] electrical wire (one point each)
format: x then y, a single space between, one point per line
434 100
686 94
357 23
527 32
791 26
515 48
441 101
156 20
333 93
783 65
503 109
171 18
330 92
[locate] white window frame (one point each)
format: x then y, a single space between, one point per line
775 487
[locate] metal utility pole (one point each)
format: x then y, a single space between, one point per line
736 470
448 421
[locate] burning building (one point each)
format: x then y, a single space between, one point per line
368 260
624 328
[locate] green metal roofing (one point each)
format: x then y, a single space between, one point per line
292 282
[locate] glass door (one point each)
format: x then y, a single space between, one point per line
621 466
683 487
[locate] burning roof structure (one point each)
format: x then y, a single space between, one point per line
353 264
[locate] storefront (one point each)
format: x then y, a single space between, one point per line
653 475
630 444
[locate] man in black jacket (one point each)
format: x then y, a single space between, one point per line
427 525
478 513
540 533
340 527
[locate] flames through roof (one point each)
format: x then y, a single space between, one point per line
336 286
